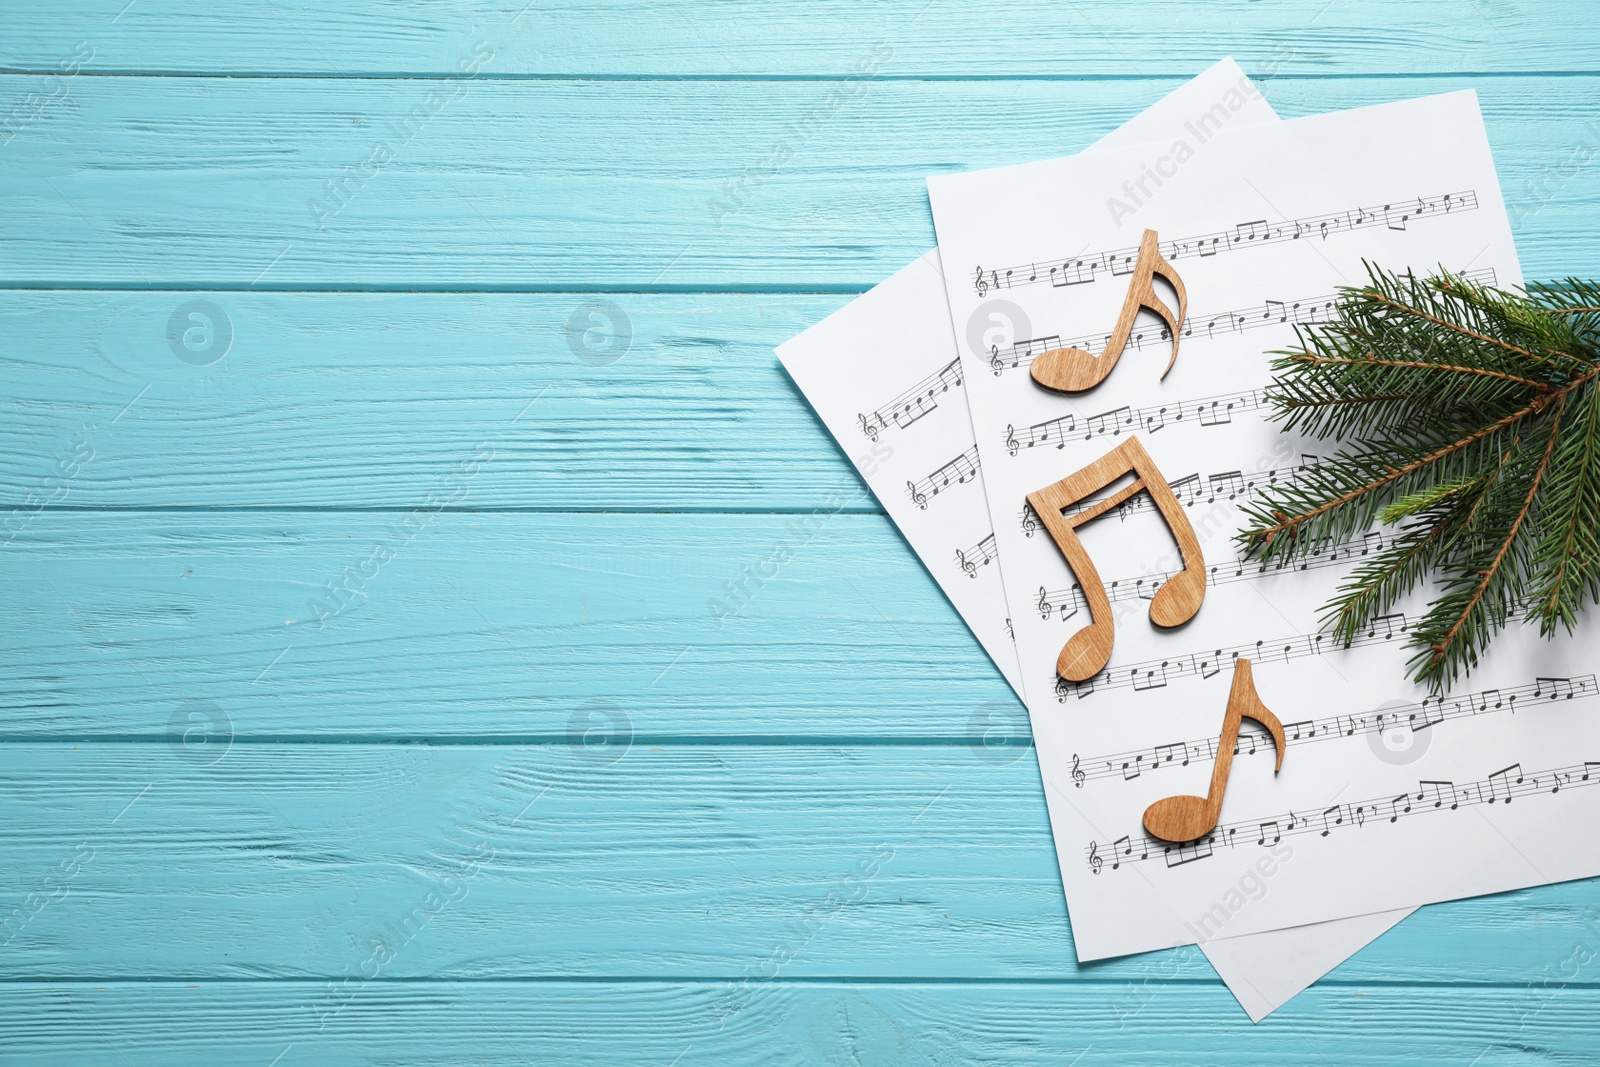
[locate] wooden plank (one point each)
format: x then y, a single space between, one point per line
348 400
675 861
827 38
843 1022
622 185
458 625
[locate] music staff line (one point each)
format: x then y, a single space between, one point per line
963 469
914 403
1066 603
1224 485
1304 312
1208 411
1157 674
1502 786
1085 269
1415 716
979 555
922 398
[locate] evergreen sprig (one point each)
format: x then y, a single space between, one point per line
1471 417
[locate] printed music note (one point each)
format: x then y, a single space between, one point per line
1553 688
1086 653
1501 781
1439 792
1073 370
1185 818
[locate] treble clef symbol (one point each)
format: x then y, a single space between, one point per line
969 567
979 284
917 497
1095 862
1077 772
868 426
1011 439
1043 606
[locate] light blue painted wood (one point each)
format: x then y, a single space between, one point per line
1003 38
372 756
344 400
1170 1024
490 626
904 861
626 185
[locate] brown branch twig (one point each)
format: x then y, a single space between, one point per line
1572 529
1539 403
1366 587
1371 361
1373 294
1443 644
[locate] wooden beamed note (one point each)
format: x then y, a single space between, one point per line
1186 818
1072 370
1086 652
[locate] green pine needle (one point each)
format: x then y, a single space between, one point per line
1472 420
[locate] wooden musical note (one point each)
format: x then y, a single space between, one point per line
1086 653
1185 818
1073 370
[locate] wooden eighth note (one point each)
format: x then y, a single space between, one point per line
1072 370
1185 818
1086 652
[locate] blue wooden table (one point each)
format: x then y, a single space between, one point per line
389 403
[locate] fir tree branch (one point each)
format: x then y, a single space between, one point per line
1442 647
1290 523
1308 358
1471 415
1457 327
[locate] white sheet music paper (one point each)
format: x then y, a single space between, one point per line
1268 218
883 375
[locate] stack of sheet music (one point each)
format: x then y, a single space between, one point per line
1388 798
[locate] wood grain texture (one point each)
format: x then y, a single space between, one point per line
291 183
1074 370
341 400
890 861
1007 38
1185 818
514 542
1086 652
499 1024
488 626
